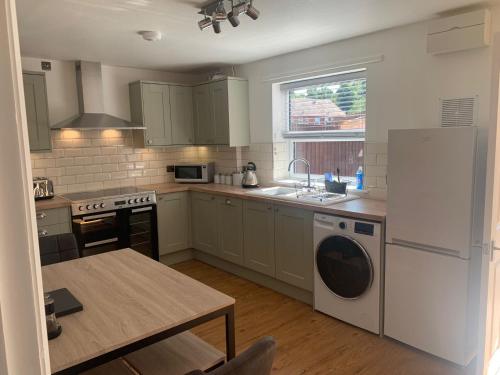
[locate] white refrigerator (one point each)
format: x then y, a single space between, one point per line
434 230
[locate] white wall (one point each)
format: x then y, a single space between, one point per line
61 86
24 344
403 90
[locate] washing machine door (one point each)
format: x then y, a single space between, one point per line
344 266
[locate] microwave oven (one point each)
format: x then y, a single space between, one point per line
202 173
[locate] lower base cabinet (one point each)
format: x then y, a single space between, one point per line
272 239
173 222
204 224
230 229
258 219
53 221
294 246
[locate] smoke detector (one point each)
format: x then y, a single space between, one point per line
151 36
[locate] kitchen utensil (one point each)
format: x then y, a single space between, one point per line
250 179
43 188
237 178
338 175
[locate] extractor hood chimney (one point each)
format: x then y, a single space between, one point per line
90 102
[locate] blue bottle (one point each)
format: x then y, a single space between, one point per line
359 178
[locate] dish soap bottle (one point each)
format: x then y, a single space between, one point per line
359 178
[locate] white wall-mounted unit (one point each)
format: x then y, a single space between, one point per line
460 32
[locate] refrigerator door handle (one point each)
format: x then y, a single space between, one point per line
425 247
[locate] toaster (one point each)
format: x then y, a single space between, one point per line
43 188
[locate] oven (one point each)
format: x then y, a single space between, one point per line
194 173
134 227
141 228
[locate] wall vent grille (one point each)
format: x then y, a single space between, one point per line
458 112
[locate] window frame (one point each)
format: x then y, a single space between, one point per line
291 137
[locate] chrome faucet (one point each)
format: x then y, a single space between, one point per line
308 166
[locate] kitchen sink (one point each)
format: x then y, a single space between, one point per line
273 191
302 195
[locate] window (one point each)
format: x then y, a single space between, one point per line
326 121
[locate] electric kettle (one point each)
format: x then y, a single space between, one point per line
250 176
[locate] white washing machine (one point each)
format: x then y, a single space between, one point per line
348 269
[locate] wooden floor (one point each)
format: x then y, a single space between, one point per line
308 342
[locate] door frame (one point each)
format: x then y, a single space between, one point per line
23 341
487 362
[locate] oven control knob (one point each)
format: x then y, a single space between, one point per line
148 199
89 207
143 199
81 208
136 200
103 205
130 201
342 225
96 206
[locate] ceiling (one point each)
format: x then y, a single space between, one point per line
106 30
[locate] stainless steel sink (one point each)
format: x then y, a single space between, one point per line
302 195
273 191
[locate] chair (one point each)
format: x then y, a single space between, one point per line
256 360
58 248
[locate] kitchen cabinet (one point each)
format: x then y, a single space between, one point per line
53 221
259 237
294 246
165 110
204 125
173 222
150 107
221 114
203 211
181 111
230 229
37 113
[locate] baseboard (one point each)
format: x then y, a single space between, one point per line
256 277
177 257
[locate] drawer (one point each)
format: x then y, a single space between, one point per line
52 216
50 230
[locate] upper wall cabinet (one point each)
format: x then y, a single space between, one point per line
181 113
165 110
221 115
37 113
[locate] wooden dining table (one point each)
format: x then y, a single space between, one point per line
129 302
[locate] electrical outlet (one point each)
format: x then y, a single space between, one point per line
170 169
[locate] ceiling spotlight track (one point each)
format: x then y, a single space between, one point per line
215 13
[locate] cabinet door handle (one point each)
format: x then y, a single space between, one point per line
43 233
269 208
150 142
41 215
228 201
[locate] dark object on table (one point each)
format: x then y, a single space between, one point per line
54 329
43 188
58 248
258 359
336 187
65 303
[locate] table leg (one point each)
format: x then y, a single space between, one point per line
230 337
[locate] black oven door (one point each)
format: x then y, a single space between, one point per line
142 230
99 233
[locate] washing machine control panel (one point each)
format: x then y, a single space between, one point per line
344 225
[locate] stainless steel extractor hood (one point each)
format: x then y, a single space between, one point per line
91 104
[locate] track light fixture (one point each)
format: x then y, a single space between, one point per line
205 22
252 12
218 14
